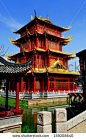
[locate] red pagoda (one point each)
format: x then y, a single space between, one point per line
42 41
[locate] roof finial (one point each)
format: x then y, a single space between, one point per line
35 12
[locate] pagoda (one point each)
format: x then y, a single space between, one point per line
42 41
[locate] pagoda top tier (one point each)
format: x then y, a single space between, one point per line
40 20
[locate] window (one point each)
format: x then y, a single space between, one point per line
37 61
26 45
54 45
61 84
40 43
38 83
42 61
51 84
40 28
71 84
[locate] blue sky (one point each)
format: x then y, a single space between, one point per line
16 13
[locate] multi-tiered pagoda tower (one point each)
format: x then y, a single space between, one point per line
42 41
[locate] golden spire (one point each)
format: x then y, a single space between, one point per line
47 17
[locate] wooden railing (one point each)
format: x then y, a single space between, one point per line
11 113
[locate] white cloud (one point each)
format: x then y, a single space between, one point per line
10 22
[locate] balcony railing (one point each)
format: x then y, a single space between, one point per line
11 113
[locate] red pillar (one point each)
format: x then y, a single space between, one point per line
35 61
7 84
54 85
68 84
21 84
46 47
34 84
37 42
49 61
48 85
25 59
35 118
73 84
17 95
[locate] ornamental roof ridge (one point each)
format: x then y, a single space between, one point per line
46 20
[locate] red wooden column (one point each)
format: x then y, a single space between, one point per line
54 85
37 42
73 84
48 85
35 61
46 47
21 84
34 84
68 84
25 59
17 95
7 84
48 61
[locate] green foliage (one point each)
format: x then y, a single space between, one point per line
27 129
12 102
23 102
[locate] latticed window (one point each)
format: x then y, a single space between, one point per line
26 45
71 84
40 43
51 84
54 45
61 84
38 83
42 61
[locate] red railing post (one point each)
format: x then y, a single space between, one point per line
17 95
